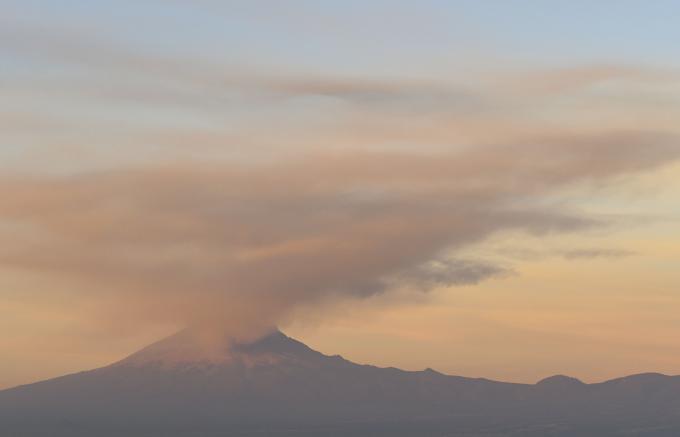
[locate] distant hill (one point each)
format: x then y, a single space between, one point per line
278 386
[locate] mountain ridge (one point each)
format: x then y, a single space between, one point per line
276 382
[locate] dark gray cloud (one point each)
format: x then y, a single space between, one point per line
449 273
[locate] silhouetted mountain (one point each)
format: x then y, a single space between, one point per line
560 382
279 386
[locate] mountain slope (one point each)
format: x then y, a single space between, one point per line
279 386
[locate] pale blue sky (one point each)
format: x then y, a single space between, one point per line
373 37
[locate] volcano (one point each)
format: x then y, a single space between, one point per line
276 385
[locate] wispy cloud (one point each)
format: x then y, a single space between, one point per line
596 253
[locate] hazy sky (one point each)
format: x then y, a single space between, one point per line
486 188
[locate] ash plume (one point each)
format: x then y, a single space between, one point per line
244 246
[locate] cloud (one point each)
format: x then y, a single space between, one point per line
247 244
569 254
379 184
205 82
449 273
596 253
563 80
